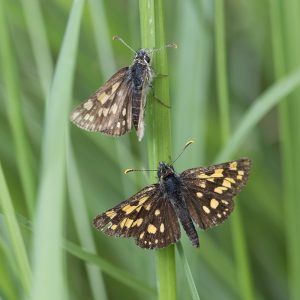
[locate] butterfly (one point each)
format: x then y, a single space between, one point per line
120 103
201 196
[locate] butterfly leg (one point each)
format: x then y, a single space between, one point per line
157 99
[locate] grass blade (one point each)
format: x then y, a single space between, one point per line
15 115
260 107
48 280
189 275
15 234
83 224
109 269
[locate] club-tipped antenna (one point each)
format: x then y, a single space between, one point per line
185 146
173 45
116 37
136 170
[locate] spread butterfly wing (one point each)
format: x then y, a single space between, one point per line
209 191
147 216
109 109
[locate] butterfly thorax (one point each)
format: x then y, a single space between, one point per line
172 186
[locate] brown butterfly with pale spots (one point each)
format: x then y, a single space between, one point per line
203 196
120 103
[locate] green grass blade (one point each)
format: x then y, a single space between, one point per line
189 275
39 42
49 281
158 128
110 269
15 235
239 242
83 224
260 107
15 114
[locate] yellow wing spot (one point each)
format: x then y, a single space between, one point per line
199 195
143 200
225 202
214 203
226 183
102 97
129 208
162 227
113 227
88 105
233 165
220 189
156 241
206 209
211 179
114 87
203 176
230 179
239 177
139 208
148 207
111 214
241 172
137 222
157 212
123 222
142 235
128 223
202 185
219 216
151 229
216 174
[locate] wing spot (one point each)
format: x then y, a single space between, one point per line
123 222
219 216
114 108
199 195
129 208
225 202
239 177
230 179
226 183
124 122
202 185
206 209
113 227
100 111
162 227
224 213
75 115
156 241
214 203
233 165
148 207
157 212
143 200
86 117
124 111
128 223
220 189
105 112
151 229
111 214
114 87
102 97
92 117
241 172
137 222
142 235
88 105
118 125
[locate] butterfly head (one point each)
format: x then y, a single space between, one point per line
143 55
164 170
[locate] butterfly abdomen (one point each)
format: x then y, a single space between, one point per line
172 187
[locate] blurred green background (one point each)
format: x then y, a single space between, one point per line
57 185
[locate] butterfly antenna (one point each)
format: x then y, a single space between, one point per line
185 146
134 170
115 37
173 45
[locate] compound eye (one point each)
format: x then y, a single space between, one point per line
147 58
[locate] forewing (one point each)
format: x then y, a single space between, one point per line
108 110
209 191
146 216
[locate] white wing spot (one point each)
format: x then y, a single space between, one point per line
92 118
206 209
100 112
124 111
87 116
105 112
88 105
124 122
118 125
75 114
114 108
